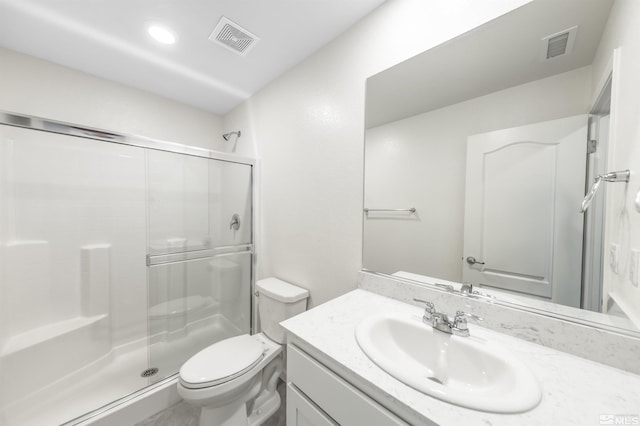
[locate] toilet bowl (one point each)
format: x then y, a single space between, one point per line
234 381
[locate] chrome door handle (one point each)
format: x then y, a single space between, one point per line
472 261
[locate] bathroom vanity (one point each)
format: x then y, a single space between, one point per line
332 381
316 395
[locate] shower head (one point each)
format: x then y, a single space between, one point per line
227 136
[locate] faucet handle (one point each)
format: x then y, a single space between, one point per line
429 310
460 327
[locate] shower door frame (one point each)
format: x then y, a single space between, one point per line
47 125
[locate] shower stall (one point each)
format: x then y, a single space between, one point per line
120 257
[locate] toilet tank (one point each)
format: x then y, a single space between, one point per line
277 301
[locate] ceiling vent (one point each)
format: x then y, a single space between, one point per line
233 36
558 44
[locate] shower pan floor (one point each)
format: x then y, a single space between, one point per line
89 388
113 377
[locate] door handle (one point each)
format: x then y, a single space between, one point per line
472 261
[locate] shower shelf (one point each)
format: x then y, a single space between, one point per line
40 335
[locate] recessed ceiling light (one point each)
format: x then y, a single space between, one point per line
161 34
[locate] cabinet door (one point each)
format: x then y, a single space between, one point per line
337 397
302 412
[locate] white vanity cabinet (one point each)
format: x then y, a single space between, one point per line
334 382
316 396
303 412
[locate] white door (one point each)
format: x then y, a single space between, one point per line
524 186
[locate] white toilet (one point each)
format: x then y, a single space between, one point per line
234 381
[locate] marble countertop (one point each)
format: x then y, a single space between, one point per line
575 391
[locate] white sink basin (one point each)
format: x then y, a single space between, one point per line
466 371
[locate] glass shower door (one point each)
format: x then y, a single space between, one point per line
195 303
199 256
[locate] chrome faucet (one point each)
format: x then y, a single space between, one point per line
460 327
441 322
467 288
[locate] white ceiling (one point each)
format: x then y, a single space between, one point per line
108 38
503 53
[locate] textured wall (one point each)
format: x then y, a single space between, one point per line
308 130
41 88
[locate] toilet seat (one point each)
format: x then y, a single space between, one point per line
234 382
222 362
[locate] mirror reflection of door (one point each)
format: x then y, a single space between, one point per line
522 223
594 293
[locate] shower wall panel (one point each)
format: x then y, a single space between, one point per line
178 202
73 273
231 194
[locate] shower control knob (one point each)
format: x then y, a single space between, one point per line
472 261
235 222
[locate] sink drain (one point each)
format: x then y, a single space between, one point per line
149 372
435 379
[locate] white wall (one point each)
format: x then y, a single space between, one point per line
420 162
623 221
36 87
308 127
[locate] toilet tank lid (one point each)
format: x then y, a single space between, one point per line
280 290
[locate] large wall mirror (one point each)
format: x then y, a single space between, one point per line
480 151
